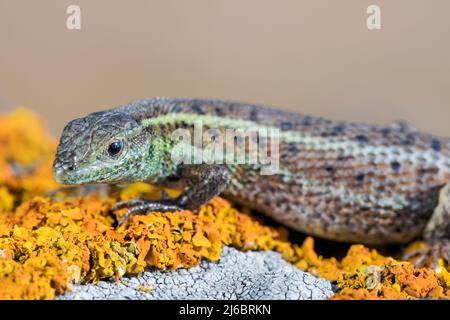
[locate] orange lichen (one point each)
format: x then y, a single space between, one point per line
78 234
366 274
26 153
24 139
394 280
48 243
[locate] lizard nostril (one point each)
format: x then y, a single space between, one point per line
60 167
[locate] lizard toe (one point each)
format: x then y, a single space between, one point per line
128 203
430 255
142 206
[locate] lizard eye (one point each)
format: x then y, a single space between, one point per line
115 147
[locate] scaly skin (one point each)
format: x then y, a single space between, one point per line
337 180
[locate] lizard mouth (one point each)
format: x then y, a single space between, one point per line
70 174
65 173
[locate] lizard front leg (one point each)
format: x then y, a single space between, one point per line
436 234
203 182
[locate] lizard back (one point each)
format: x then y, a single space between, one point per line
338 180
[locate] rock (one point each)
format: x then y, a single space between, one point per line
237 275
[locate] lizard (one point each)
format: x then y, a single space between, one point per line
341 181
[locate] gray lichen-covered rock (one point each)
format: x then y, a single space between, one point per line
237 275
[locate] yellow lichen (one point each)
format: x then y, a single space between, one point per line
394 280
23 138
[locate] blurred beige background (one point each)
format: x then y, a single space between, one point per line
315 57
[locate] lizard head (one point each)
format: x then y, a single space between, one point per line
103 147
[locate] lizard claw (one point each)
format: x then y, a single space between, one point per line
142 206
430 255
